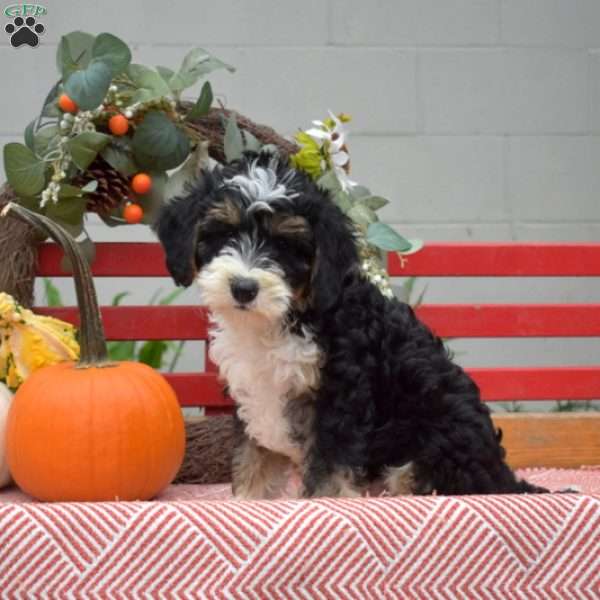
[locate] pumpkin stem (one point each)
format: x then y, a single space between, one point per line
91 332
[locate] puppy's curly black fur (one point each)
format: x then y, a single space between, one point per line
389 395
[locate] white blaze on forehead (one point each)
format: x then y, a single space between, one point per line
260 186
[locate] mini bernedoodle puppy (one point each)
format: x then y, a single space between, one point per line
326 372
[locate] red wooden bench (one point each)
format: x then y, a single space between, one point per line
533 439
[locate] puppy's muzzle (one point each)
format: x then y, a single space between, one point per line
244 289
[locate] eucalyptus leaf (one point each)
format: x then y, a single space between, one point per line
74 52
233 142
67 210
374 202
360 191
344 201
25 172
28 135
384 237
89 86
203 103
165 73
69 191
158 144
150 85
251 142
73 229
196 64
119 155
189 171
45 139
415 246
112 51
152 201
329 182
362 215
85 147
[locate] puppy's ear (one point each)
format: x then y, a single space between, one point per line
336 255
177 225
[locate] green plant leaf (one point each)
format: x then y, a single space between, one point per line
25 172
112 51
373 202
69 191
46 139
120 351
196 64
165 73
28 135
150 85
203 103
67 210
251 142
85 147
415 246
116 301
360 191
52 293
152 201
171 297
362 215
89 86
329 182
119 155
158 144
384 237
233 142
74 52
343 200
151 353
189 171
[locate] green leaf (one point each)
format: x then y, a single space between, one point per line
415 246
116 301
171 297
152 201
374 202
165 73
67 210
203 103
69 191
74 52
362 215
151 353
85 147
120 351
158 144
119 155
360 191
52 293
196 64
89 86
46 139
188 172
149 83
251 142
384 237
329 182
25 172
28 135
112 51
232 141
343 200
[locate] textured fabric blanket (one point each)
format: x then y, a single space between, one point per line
195 542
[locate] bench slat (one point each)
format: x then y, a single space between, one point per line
499 259
564 440
128 259
144 322
496 384
447 320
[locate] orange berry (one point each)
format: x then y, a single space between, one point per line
66 104
133 213
118 125
141 183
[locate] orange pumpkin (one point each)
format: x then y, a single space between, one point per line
96 430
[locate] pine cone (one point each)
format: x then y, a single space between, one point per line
112 190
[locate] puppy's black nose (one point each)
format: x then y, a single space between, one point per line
244 289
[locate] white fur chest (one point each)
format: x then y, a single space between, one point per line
263 370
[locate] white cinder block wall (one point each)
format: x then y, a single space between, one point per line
479 119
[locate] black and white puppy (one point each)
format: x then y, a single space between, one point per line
326 372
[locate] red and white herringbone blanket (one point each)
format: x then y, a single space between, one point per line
195 542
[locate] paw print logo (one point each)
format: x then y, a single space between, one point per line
24 32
